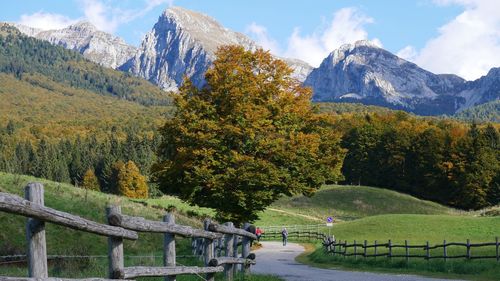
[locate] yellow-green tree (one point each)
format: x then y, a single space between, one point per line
90 180
130 181
248 137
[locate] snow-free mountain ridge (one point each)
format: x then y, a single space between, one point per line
363 72
98 46
184 42
181 43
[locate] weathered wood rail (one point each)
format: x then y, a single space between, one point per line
360 249
121 227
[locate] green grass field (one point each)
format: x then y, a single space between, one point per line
346 203
417 229
366 213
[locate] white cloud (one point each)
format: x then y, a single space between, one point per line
108 18
151 4
100 15
454 2
347 26
408 53
45 21
259 33
468 45
103 14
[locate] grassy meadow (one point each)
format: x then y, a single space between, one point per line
366 213
362 213
380 214
346 203
147 250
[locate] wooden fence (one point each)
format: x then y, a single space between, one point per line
297 234
121 227
361 249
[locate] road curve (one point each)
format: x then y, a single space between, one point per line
277 260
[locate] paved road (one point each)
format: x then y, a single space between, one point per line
275 259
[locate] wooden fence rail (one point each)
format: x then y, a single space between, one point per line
16 205
335 247
121 227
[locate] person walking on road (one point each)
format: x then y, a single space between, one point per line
258 232
284 235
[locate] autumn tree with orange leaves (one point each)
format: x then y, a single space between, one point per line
248 137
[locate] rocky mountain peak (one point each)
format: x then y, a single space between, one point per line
83 26
183 43
358 44
27 30
494 72
362 52
98 46
203 29
364 72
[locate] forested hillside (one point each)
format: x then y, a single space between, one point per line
346 107
485 112
62 117
21 55
61 133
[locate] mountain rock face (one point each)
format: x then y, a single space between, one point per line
301 69
363 72
181 43
482 90
98 46
184 42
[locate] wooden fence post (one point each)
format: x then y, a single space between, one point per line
364 252
35 235
428 251
229 238
468 248
375 249
407 251
209 251
245 250
169 246
115 249
235 253
334 247
444 250
355 250
345 248
340 247
220 242
496 242
389 245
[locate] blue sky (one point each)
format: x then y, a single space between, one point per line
444 36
